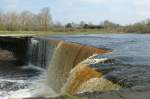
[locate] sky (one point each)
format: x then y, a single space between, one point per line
94 11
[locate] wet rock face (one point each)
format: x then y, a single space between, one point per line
6 55
14 49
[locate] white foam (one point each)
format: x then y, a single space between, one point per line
93 60
42 89
17 81
34 41
19 94
30 66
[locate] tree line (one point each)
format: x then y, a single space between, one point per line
139 27
26 20
42 21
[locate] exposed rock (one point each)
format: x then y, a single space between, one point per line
6 55
12 48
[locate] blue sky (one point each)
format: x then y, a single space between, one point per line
95 11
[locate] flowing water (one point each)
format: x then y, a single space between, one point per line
128 65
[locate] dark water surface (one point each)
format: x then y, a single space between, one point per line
130 66
130 52
131 48
15 81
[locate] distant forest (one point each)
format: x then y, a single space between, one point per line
28 21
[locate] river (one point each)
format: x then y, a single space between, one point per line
130 68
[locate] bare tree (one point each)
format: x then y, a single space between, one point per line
26 20
1 19
82 23
45 19
2 27
11 21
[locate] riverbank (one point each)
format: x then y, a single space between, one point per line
31 33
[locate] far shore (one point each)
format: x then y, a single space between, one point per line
32 33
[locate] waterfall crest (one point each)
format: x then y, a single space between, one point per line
69 66
41 51
65 57
84 78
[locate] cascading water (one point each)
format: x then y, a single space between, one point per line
122 68
38 52
70 67
65 58
14 78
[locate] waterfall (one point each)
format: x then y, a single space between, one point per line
84 78
65 57
40 51
67 67
56 68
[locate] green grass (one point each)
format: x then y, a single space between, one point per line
54 33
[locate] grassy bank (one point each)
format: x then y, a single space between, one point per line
55 32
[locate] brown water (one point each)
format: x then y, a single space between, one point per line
126 69
65 57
